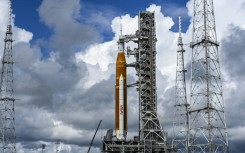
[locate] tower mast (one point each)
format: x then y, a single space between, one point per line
150 128
181 120
7 113
207 119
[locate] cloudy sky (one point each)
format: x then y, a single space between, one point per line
65 53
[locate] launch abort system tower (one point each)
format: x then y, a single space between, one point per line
151 138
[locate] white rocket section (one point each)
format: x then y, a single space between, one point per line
120 132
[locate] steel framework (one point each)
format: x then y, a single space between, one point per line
7 125
122 146
207 119
150 128
181 120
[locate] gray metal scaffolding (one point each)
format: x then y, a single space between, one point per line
7 113
207 118
150 127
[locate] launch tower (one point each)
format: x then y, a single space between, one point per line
7 113
207 118
150 127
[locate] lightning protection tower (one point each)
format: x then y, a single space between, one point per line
207 118
7 114
181 120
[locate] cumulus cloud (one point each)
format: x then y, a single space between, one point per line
69 34
233 51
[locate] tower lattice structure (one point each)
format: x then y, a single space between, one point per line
207 118
150 130
181 120
7 111
150 127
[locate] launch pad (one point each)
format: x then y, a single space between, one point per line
111 144
152 138
134 146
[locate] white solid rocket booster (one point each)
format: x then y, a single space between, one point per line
120 134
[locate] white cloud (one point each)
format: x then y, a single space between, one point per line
66 132
21 35
101 54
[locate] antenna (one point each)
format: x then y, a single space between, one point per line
10 13
180 26
120 26
180 42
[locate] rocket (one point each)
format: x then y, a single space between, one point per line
121 126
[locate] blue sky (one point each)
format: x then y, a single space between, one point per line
65 72
27 13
